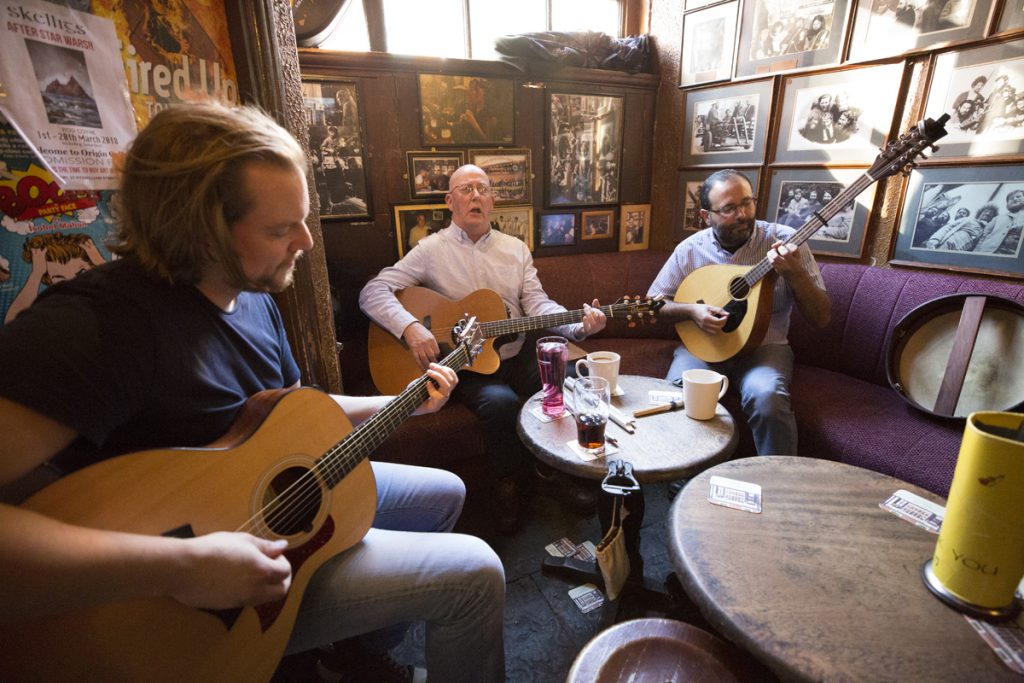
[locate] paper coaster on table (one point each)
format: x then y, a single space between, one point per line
655 397
735 494
915 509
1007 641
587 597
538 412
575 448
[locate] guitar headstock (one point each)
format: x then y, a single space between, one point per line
899 156
468 335
636 308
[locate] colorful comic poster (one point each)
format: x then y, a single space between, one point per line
64 90
47 235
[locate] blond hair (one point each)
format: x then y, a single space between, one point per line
183 187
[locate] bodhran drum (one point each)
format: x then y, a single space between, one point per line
958 354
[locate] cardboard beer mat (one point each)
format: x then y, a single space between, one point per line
915 509
563 547
1007 641
735 494
537 411
574 446
587 597
655 397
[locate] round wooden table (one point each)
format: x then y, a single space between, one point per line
664 447
823 584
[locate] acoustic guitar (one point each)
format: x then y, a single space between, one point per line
392 365
745 292
291 467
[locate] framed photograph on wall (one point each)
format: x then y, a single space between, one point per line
709 41
838 117
982 89
963 218
1011 17
886 28
781 35
556 229
726 125
509 172
688 220
514 220
598 224
797 193
416 221
634 227
429 172
585 146
337 145
466 110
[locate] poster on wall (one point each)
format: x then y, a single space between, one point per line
585 136
49 234
65 91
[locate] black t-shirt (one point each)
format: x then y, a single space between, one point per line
131 363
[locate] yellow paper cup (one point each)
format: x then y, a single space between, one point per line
979 556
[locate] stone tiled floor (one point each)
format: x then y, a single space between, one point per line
544 630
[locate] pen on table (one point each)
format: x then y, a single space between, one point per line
612 440
663 408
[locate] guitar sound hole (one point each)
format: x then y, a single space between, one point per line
738 289
291 502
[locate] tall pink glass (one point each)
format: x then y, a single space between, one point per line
552 355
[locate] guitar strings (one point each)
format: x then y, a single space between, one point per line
525 324
291 505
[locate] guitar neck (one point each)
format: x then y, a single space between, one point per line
817 221
363 440
499 328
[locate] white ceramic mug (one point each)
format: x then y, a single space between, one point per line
702 390
601 364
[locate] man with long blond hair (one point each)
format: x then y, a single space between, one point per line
162 348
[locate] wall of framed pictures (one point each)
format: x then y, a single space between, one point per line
554 151
803 100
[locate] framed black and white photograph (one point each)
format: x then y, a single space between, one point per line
886 28
466 110
509 172
963 218
516 221
1011 17
429 172
416 221
597 224
982 89
337 146
556 229
585 148
726 125
781 35
837 117
689 221
709 41
634 227
796 194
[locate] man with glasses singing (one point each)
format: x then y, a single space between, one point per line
465 257
734 237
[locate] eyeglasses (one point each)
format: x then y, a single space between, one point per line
730 210
467 189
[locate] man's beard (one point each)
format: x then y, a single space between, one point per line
734 235
275 283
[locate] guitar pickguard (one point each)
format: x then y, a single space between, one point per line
737 310
268 611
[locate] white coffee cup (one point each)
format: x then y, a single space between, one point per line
601 364
702 390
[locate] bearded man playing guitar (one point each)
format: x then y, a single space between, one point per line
163 348
734 237
464 258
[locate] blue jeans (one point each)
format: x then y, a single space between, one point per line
408 568
763 378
